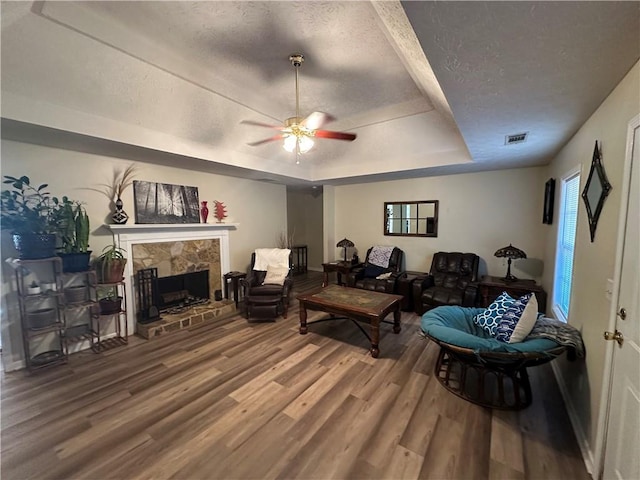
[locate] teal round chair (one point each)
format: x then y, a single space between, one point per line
475 366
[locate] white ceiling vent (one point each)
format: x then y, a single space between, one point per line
517 138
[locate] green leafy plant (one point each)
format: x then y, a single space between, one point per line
109 300
107 293
110 264
27 209
73 226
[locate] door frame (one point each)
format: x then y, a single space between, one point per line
607 381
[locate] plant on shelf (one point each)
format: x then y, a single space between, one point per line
110 264
73 234
73 226
28 212
109 300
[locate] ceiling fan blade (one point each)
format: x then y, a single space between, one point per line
266 140
335 135
316 120
260 124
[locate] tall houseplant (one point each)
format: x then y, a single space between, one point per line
28 212
73 233
110 264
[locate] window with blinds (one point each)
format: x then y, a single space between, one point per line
568 217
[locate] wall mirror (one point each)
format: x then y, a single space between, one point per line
411 219
595 191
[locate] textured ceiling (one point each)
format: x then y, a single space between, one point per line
429 87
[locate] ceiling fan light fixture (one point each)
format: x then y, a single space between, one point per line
304 143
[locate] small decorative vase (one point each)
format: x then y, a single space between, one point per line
119 217
204 211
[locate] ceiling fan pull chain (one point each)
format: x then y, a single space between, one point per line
297 96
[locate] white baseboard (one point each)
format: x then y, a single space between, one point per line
17 365
583 443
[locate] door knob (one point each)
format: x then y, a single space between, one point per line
617 336
622 313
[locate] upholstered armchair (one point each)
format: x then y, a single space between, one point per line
452 280
373 276
267 287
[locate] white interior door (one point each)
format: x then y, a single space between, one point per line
622 451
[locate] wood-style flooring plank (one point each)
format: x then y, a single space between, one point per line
232 399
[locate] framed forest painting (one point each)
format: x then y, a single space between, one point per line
165 203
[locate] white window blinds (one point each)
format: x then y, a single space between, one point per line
566 244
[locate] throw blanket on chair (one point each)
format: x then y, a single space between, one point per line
276 257
380 255
561 333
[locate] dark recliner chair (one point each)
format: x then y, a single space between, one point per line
365 276
452 280
269 300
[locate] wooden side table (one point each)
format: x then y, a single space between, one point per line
491 287
234 279
340 267
299 253
404 287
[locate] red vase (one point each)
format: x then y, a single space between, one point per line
204 211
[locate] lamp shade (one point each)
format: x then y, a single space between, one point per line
345 243
510 252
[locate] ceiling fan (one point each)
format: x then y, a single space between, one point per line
298 132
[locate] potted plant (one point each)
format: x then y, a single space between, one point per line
33 288
27 211
109 301
110 264
73 233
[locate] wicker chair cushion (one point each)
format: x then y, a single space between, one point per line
454 325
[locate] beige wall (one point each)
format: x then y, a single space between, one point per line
478 212
594 262
258 207
304 221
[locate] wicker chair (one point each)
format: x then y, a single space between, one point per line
477 367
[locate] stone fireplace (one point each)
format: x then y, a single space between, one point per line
173 249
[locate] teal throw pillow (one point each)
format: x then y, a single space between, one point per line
489 318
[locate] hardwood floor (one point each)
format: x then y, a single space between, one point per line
234 399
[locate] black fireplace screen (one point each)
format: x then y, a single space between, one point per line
170 294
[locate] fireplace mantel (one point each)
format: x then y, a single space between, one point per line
152 228
126 236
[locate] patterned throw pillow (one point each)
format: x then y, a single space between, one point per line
490 318
518 320
276 275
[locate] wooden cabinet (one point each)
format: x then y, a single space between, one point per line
491 287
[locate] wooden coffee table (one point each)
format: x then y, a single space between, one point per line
354 304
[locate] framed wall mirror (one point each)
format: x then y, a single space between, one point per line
595 191
411 219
